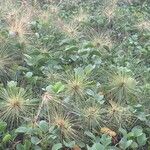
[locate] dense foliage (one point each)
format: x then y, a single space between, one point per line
74 74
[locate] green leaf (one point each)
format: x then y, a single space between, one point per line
43 125
124 143
35 140
96 146
71 48
29 74
105 140
6 138
90 92
142 139
58 87
27 144
57 146
137 131
20 147
21 130
134 145
88 69
36 147
69 144
89 134
12 84
123 131
3 126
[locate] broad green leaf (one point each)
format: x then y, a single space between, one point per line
12 84
29 74
71 48
137 131
96 146
6 138
124 143
89 134
90 92
134 145
35 140
123 131
57 146
142 139
21 130
58 87
3 126
69 144
88 69
43 125
105 140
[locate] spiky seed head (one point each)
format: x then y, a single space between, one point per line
125 81
92 115
65 124
75 87
92 112
14 105
119 114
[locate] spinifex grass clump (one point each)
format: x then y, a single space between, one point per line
8 59
87 65
123 87
16 105
92 114
67 124
99 40
77 83
69 29
119 115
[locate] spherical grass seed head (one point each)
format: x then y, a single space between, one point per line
66 124
15 105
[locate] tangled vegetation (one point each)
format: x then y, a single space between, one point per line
74 75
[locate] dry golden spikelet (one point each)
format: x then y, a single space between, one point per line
108 131
76 147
